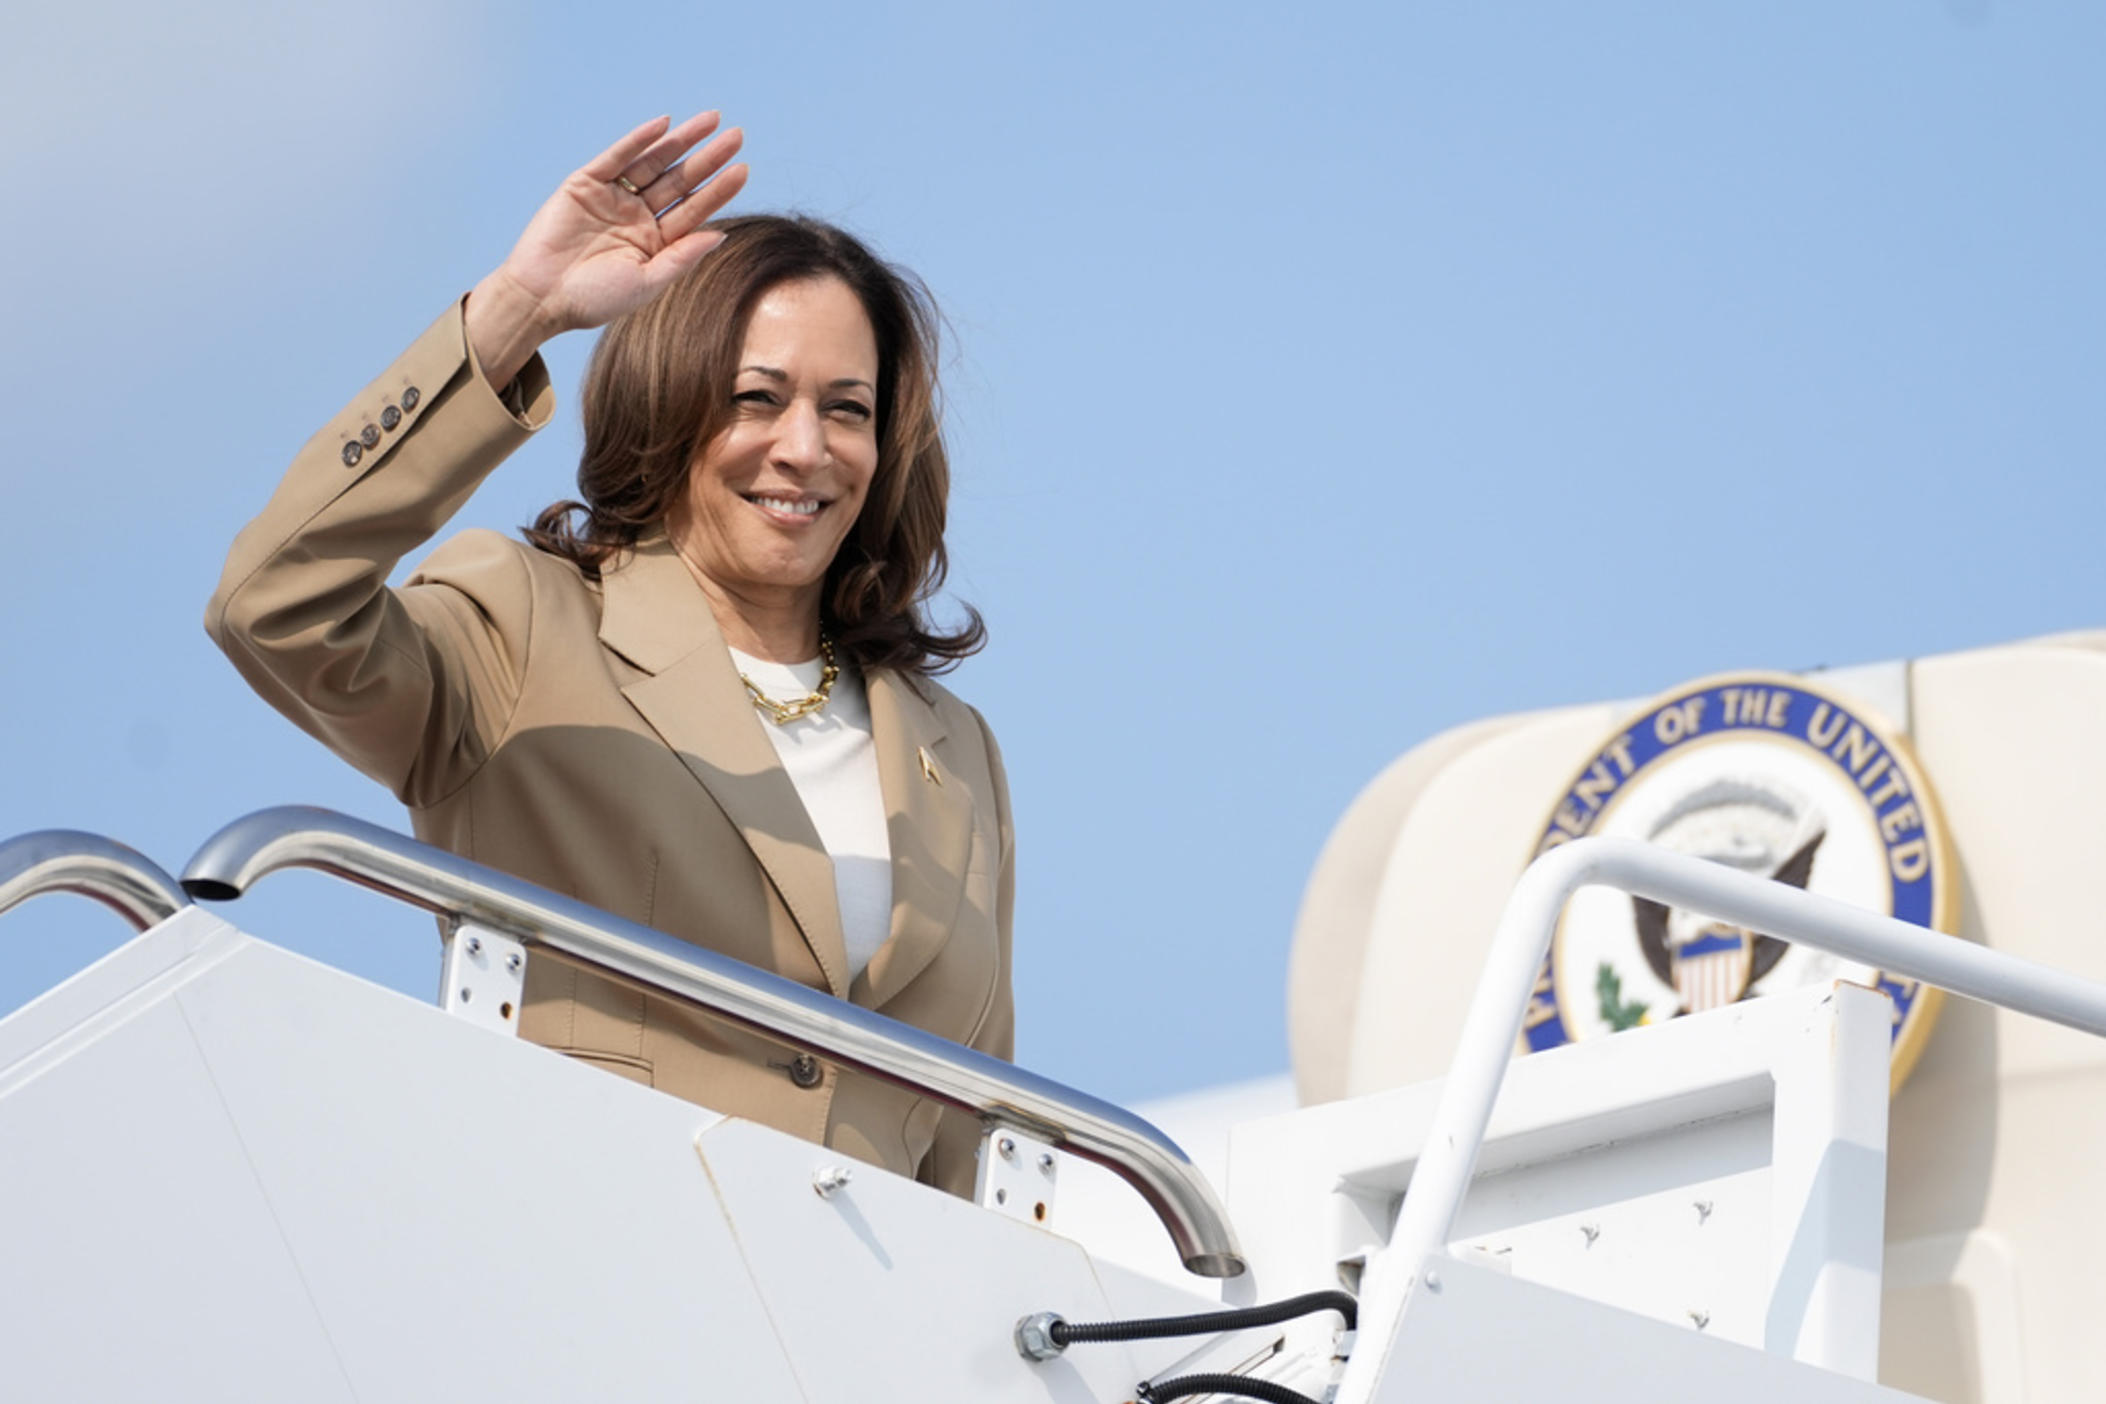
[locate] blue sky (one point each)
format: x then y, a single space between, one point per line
1320 378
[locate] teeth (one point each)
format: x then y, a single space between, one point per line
803 508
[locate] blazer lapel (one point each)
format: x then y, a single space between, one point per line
654 615
929 821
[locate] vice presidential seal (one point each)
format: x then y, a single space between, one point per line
1769 775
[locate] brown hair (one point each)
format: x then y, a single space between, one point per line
659 388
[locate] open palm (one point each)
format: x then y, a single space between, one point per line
616 232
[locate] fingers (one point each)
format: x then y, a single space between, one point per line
703 204
682 176
611 162
684 186
667 150
671 186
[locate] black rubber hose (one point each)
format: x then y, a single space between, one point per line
1206 1323
1242 1386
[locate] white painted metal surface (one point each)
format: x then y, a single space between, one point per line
229 1173
889 1290
1484 1335
1687 1171
1828 1206
1494 1021
1496 1011
246 1176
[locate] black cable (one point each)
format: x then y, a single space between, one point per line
1241 1386
1067 1333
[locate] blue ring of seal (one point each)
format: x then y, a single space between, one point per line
1825 727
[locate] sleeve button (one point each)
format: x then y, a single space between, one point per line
353 451
369 436
390 417
804 1070
409 399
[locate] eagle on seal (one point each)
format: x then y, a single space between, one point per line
1748 826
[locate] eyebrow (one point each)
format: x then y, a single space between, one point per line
773 373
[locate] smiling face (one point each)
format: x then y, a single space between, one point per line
771 497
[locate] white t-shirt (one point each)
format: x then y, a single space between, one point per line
833 763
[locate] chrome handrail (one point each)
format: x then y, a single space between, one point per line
66 860
233 859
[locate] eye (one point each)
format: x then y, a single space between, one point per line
754 397
852 409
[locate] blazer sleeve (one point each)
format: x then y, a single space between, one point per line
412 686
952 1161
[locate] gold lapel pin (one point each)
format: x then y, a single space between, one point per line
928 766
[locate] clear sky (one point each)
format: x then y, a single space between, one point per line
1321 377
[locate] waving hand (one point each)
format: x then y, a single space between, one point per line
615 233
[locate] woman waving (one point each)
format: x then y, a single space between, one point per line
701 697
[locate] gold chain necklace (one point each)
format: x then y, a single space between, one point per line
809 705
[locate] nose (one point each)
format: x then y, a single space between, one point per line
800 437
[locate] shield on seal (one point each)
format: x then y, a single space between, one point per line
1712 967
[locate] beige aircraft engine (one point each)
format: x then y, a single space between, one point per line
1962 791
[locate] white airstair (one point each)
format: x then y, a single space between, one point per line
230 1173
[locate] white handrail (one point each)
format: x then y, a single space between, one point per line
1711 889
1442 1175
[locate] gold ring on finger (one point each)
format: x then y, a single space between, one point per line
629 185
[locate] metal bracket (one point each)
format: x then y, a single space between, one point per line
1017 1175
483 977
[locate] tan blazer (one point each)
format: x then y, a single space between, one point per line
596 739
